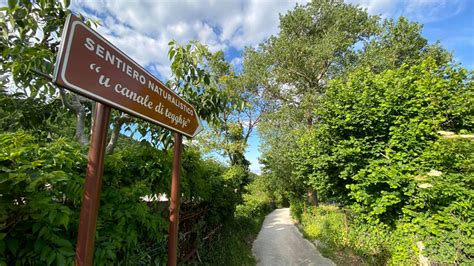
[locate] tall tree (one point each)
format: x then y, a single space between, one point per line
399 42
245 105
311 41
314 44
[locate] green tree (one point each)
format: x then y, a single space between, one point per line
390 145
398 43
312 40
368 118
244 107
226 133
29 42
315 43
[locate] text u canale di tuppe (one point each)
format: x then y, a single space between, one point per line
114 60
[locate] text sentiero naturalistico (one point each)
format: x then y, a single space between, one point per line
111 58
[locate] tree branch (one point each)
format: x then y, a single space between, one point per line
323 71
300 74
75 105
64 100
124 118
80 120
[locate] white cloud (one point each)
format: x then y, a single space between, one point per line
423 11
143 29
427 11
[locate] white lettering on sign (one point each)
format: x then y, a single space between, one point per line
145 101
177 120
169 97
116 80
111 58
114 60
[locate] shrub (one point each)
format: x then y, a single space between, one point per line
41 187
256 201
296 208
40 191
342 230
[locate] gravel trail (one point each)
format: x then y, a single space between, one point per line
280 243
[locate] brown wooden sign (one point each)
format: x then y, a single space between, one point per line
89 65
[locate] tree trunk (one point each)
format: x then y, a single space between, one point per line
116 132
76 106
80 125
313 197
92 116
113 139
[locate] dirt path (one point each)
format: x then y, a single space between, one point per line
280 243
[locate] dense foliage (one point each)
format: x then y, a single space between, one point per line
233 246
43 155
42 184
351 109
385 130
377 147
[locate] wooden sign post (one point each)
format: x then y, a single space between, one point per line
174 202
91 66
92 185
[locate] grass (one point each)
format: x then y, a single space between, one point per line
339 240
234 244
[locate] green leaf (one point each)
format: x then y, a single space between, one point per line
64 220
63 243
12 4
60 260
45 252
44 231
67 3
36 227
39 245
171 54
13 245
51 258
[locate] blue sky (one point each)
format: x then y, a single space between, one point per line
142 29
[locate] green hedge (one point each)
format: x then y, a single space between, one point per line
41 186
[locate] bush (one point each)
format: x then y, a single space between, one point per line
40 192
327 224
346 231
234 244
342 230
256 201
296 209
41 187
381 146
